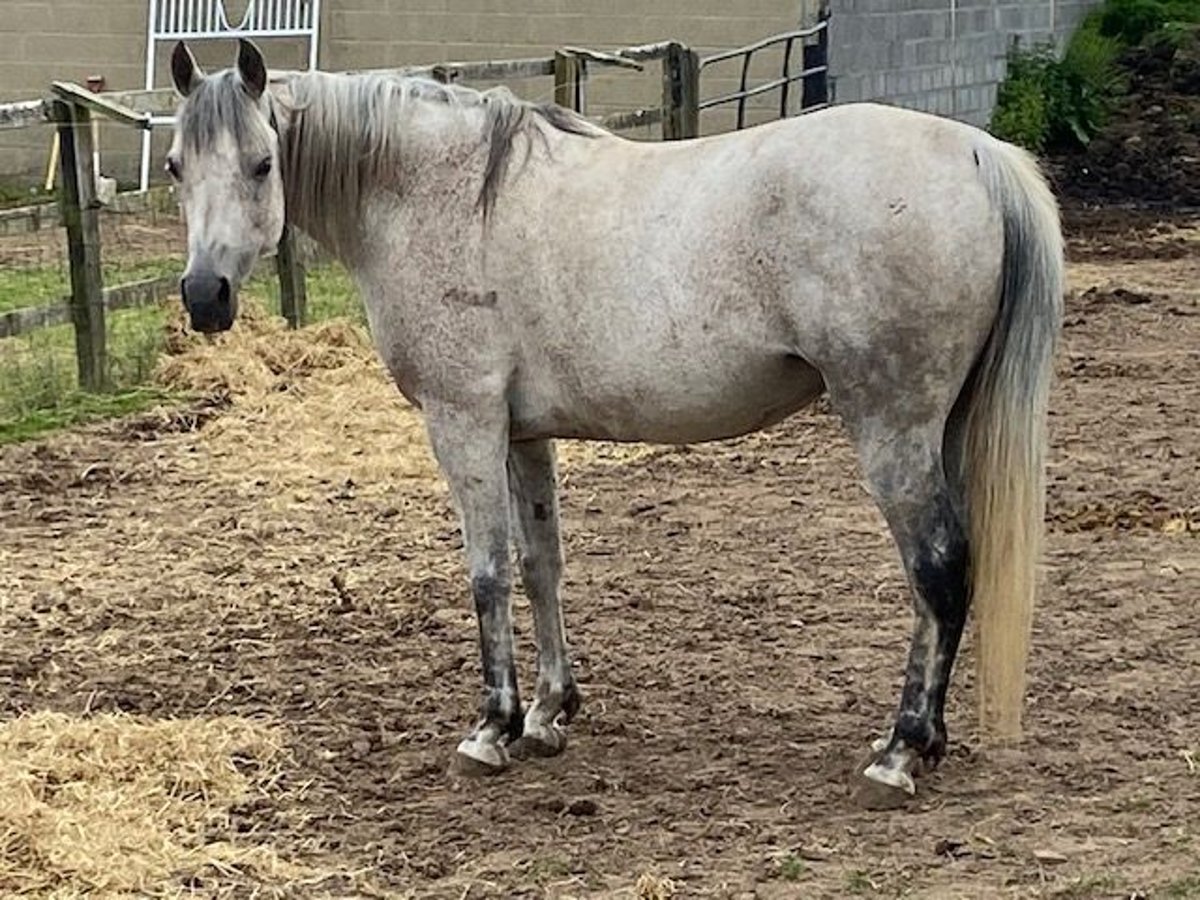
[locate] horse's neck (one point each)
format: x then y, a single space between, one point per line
435 141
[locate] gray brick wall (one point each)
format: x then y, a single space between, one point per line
941 56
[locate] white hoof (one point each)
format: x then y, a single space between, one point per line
476 756
893 778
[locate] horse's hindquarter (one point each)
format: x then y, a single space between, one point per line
693 291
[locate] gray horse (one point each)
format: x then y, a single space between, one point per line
528 276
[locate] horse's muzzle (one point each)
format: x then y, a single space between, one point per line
210 301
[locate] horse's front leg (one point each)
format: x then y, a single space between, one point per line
471 446
532 481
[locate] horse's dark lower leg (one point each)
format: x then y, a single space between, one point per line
936 559
472 455
532 483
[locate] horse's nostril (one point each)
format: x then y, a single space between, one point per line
223 294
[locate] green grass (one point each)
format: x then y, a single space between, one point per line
24 193
859 882
792 868
21 287
79 408
38 373
39 389
331 292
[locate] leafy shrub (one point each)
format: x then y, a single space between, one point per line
1020 114
1132 21
1082 86
1050 103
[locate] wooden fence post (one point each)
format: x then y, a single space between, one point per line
681 93
568 81
293 293
81 217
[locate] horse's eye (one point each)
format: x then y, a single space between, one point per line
173 168
263 169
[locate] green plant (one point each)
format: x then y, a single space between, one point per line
1132 21
858 882
1082 86
1020 115
1046 102
792 868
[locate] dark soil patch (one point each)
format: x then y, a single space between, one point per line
1149 152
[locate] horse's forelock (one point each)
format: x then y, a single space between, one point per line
218 104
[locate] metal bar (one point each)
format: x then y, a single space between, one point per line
742 95
787 65
814 91
760 89
314 23
764 43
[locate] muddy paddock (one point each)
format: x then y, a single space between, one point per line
283 553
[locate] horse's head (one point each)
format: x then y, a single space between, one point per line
225 163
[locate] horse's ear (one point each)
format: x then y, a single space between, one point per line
184 70
252 68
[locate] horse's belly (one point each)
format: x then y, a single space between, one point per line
707 406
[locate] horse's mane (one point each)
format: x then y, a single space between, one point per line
341 135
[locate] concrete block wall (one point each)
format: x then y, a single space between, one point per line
941 56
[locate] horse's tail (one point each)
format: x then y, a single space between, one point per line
1003 464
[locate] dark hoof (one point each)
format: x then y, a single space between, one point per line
539 743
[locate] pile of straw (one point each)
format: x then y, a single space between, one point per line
316 405
112 804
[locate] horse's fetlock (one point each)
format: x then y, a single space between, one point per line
917 732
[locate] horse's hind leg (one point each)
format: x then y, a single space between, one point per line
532 483
907 477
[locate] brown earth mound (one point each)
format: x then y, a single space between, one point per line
1149 152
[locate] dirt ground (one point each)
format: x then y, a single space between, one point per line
738 617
